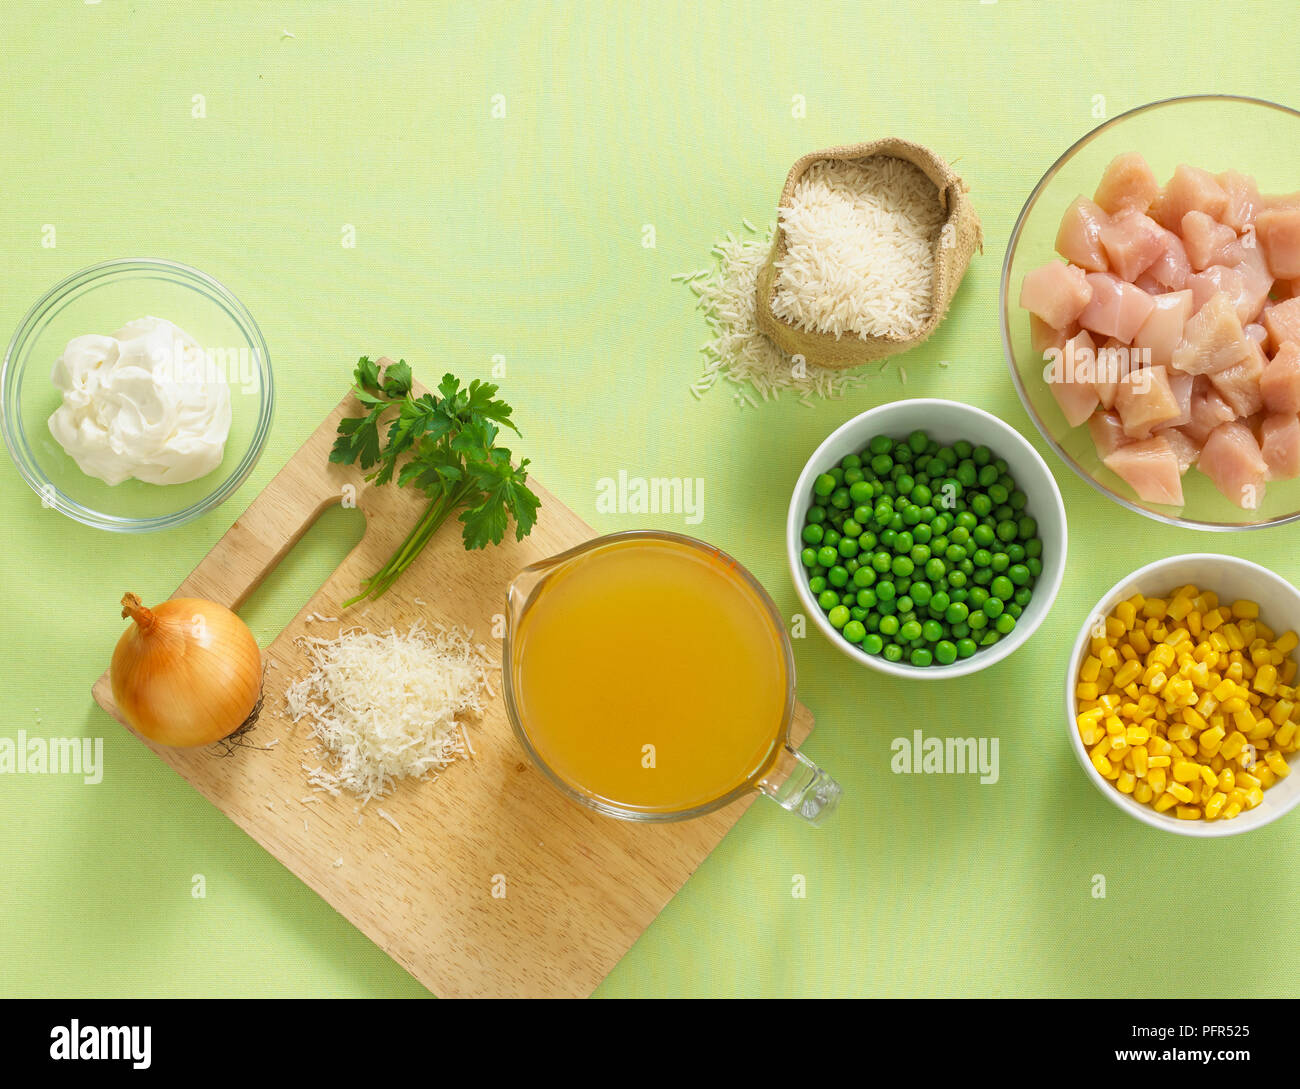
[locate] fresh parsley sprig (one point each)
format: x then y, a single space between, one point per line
448 441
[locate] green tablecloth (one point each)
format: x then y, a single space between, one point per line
522 237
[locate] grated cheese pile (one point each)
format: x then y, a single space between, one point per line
859 255
738 351
385 706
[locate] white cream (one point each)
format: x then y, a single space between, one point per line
142 403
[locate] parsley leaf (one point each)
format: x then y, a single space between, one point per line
444 445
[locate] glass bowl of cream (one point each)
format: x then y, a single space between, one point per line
136 395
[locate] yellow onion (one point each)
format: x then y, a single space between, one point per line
187 672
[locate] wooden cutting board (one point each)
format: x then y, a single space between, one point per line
497 884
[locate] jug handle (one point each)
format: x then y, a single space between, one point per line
797 784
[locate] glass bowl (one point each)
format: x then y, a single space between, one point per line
101 299
1216 132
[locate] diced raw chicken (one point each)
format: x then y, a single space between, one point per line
1057 293
1079 239
1247 291
1042 336
1279 385
1256 332
1172 267
1133 242
1282 320
1213 339
1117 309
1070 380
1279 234
1150 468
1186 450
1191 189
1145 400
1208 242
1279 443
1231 458
1127 184
1239 384
1113 362
1181 386
1209 409
1243 199
1162 332
1107 433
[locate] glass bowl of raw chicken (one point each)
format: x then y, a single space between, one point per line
1151 310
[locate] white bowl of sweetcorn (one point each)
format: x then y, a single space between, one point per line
1169 689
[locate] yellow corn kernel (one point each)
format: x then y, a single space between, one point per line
1139 642
1187 746
1266 776
1086 691
1137 735
1185 771
1227 780
1140 757
1158 761
1189 813
1143 793
1090 669
1179 608
1159 779
1164 654
1102 765
1179 732
1232 809
1281 711
1244 721
1254 797
1287 643
1264 728
1127 673
1247 782
1244 609
1277 764
1233 744
1118 748
1126 782
1285 735
1165 802
1211 621
1210 740
1180 791
1214 805
1109 657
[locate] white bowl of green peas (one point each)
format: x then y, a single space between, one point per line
926 538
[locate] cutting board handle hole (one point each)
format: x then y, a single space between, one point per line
296 578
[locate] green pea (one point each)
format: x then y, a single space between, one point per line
808 557
1016 552
854 632
824 485
880 561
812 534
838 616
981 504
978 619
945 652
998 494
828 599
840 499
932 631
905 604
886 592
910 631
935 569
862 514
982 577
922 533
866 598
921 495
1002 587
1018 500
957 579
851 477
940 601
881 464
1005 624
1019 574
1034 548
881 444
965 648
982 558
921 657
873 644
893 652
987 477
889 625
858 613
1035 566
860 492
850 461
867 540
981 455
1015 610
827 556
954 553
921 593
966 474
911 515
1024 596
956 613
1001 561
851 528
896 523
847 547
993 607
920 555
1007 531
837 576
983 535
1028 528
831 536
905 484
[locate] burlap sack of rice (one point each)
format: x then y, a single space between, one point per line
954 242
